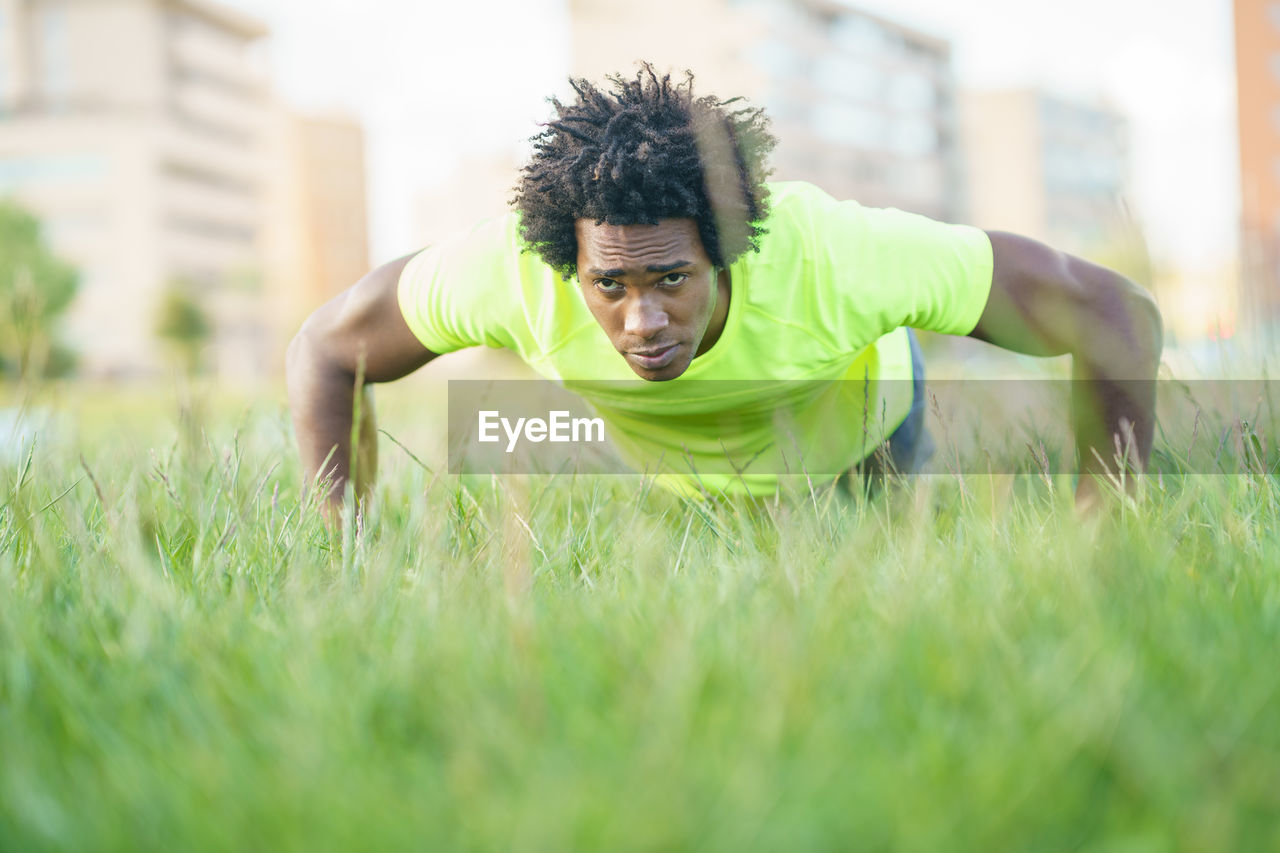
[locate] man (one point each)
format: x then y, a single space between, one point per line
688 267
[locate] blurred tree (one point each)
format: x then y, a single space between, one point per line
36 287
184 324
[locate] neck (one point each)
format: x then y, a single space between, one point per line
719 316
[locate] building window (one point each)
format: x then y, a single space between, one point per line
186 173
860 36
857 127
220 38
18 172
776 58
55 54
913 136
212 229
4 55
845 77
912 92
782 105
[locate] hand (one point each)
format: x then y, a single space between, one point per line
1098 492
1090 496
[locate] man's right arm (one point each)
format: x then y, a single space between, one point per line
359 335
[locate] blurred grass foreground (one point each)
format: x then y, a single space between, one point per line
190 660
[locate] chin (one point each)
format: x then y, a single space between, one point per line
662 374
659 375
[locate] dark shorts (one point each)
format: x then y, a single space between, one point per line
909 446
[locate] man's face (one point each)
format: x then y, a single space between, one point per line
653 290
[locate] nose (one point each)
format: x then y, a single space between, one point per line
645 317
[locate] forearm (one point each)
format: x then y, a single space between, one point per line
358 336
1114 381
1045 302
1113 421
322 401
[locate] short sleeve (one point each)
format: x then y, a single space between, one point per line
936 276
463 292
878 269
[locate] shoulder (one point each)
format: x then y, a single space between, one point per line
470 288
863 271
485 286
482 245
797 201
802 204
804 218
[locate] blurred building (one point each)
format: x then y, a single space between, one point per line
862 106
316 226
1049 168
133 128
1257 31
143 134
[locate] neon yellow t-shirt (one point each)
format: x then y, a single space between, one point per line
828 297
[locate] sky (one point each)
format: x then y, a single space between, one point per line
434 80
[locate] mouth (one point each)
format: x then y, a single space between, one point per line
654 359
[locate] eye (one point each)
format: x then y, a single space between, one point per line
674 279
608 286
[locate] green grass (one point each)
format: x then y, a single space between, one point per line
189 660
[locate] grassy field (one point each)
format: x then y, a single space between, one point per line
189 660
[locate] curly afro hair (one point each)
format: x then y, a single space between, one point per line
646 150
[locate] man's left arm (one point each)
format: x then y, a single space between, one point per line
1045 302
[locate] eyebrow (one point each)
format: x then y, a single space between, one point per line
674 265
